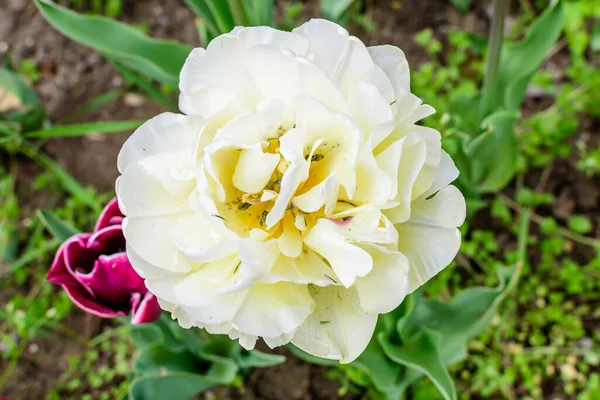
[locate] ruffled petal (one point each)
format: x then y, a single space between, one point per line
273 310
338 328
384 288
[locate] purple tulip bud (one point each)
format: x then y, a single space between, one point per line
94 270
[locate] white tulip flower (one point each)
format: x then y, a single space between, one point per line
295 199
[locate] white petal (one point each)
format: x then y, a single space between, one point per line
368 107
280 74
402 162
446 209
384 288
151 239
343 58
164 133
291 146
307 268
173 170
323 194
143 268
256 35
210 82
373 185
338 328
348 261
446 174
429 249
194 238
268 195
141 194
279 340
255 127
393 62
427 174
290 240
254 169
273 310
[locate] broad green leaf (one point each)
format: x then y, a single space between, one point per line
259 12
310 358
258 359
206 19
170 385
519 61
59 228
334 9
215 13
18 102
159 59
157 357
461 319
422 353
494 152
383 372
237 8
85 129
144 335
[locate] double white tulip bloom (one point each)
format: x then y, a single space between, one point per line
295 198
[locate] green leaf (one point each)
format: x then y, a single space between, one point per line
382 371
215 14
422 353
519 61
144 335
334 10
310 358
595 39
463 318
170 385
205 19
259 12
494 152
29 113
135 79
85 129
96 103
159 59
69 183
59 228
258 359
157 357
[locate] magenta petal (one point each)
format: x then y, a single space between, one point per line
111 215
113 280
109 240
148 310
71 254
82 299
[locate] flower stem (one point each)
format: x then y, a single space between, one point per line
490 81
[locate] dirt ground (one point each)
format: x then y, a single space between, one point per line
72 74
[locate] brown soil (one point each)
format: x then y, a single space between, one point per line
71 75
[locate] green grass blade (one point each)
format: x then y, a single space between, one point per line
96 103
133 78
205 15
85 129
159 59
59 228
